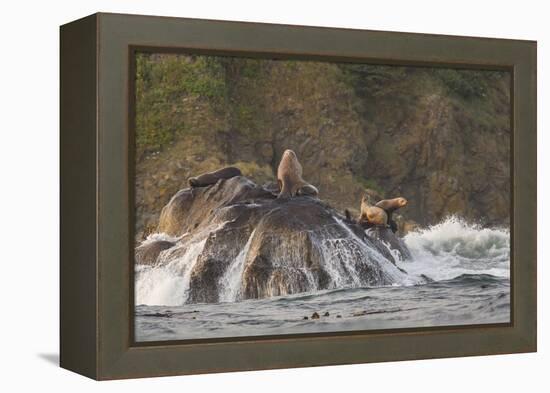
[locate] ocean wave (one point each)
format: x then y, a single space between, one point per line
479 280
455 247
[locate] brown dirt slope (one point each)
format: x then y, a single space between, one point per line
439 137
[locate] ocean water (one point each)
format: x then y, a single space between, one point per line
469 266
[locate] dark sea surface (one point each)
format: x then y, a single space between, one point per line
469 266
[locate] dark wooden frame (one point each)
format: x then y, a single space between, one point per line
97 196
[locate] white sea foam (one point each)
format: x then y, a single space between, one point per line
342 254
168 284
454 247
162 237
396 254
230 282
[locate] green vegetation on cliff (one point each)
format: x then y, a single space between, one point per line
439 137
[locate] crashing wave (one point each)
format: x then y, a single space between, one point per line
455 247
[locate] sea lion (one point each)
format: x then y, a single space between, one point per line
389 206
289 177
207 179
372 215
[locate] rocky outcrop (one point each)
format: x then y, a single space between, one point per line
148 252
235 240
392 241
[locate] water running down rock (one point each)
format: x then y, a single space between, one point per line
235 240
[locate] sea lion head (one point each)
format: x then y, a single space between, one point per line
289 154
193 182
290 166
401 202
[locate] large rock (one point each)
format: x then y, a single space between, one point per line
395 244
193 207
238 241
148 252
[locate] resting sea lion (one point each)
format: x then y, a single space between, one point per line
289 177
391 205
210 178
372 215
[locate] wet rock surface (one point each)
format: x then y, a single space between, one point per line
235 240
148 252
393 242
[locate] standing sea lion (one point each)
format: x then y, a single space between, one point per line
210 178
372 215
389 206
289 177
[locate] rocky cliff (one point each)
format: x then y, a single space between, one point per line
439 137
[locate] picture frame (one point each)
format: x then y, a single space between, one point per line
97 158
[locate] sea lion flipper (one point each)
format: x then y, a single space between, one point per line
307 190
393 226
284 195
348 215
285 192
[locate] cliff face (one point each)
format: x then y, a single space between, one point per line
439 137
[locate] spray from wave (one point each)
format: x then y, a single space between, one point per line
231 281
168 284
455 247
